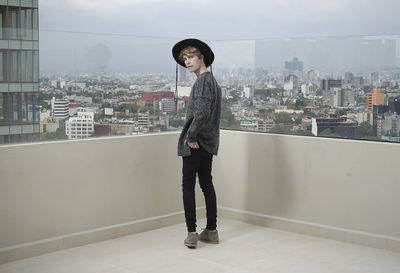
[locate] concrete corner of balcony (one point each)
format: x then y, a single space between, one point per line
58 195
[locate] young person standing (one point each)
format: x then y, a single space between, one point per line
199 139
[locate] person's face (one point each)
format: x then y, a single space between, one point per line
192 62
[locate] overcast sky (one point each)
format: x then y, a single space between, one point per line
223 19
218 22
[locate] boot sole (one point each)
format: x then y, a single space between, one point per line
191 245
210 242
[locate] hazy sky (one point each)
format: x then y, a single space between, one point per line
221 23
223 19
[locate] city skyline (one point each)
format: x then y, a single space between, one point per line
80 53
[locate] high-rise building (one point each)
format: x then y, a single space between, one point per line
348 77
375 97
337 97
294 65
330 83
378 110
375 79
248 91
328 88
59 108
81 126
19 71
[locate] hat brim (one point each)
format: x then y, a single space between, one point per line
201 46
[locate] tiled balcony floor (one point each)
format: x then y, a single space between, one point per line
243 248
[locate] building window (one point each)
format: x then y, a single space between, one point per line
35 19
23 66
2 108
35 66
29 106
13 19
3 23
13 66
19 106
26 67
18 23
35 114
14 107
26 23
6 107
3 65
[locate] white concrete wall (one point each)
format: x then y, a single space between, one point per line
344 184
90 190
54 189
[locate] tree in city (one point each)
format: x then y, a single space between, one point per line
132 107
367 129
59 134
298 120
283 118
282 129
310 114
106 105
328 133
301 102
341 112
176 123
227 120
302 133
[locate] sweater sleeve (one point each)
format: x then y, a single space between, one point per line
201 107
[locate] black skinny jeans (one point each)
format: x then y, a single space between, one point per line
200 162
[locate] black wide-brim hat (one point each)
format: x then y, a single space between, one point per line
201 46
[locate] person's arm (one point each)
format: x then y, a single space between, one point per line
201 109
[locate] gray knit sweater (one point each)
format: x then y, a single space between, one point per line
202 116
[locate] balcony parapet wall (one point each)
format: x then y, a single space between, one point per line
55 195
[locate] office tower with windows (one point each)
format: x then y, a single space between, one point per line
19 71
59 108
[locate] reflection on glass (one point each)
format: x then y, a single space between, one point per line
26 24
3 24
36 114
13 14
14 73
6 107
26 66
35 66
24 107
15 108
2 65
2 108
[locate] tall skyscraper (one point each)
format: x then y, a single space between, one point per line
19 71
294 65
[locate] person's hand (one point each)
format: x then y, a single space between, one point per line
193 145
